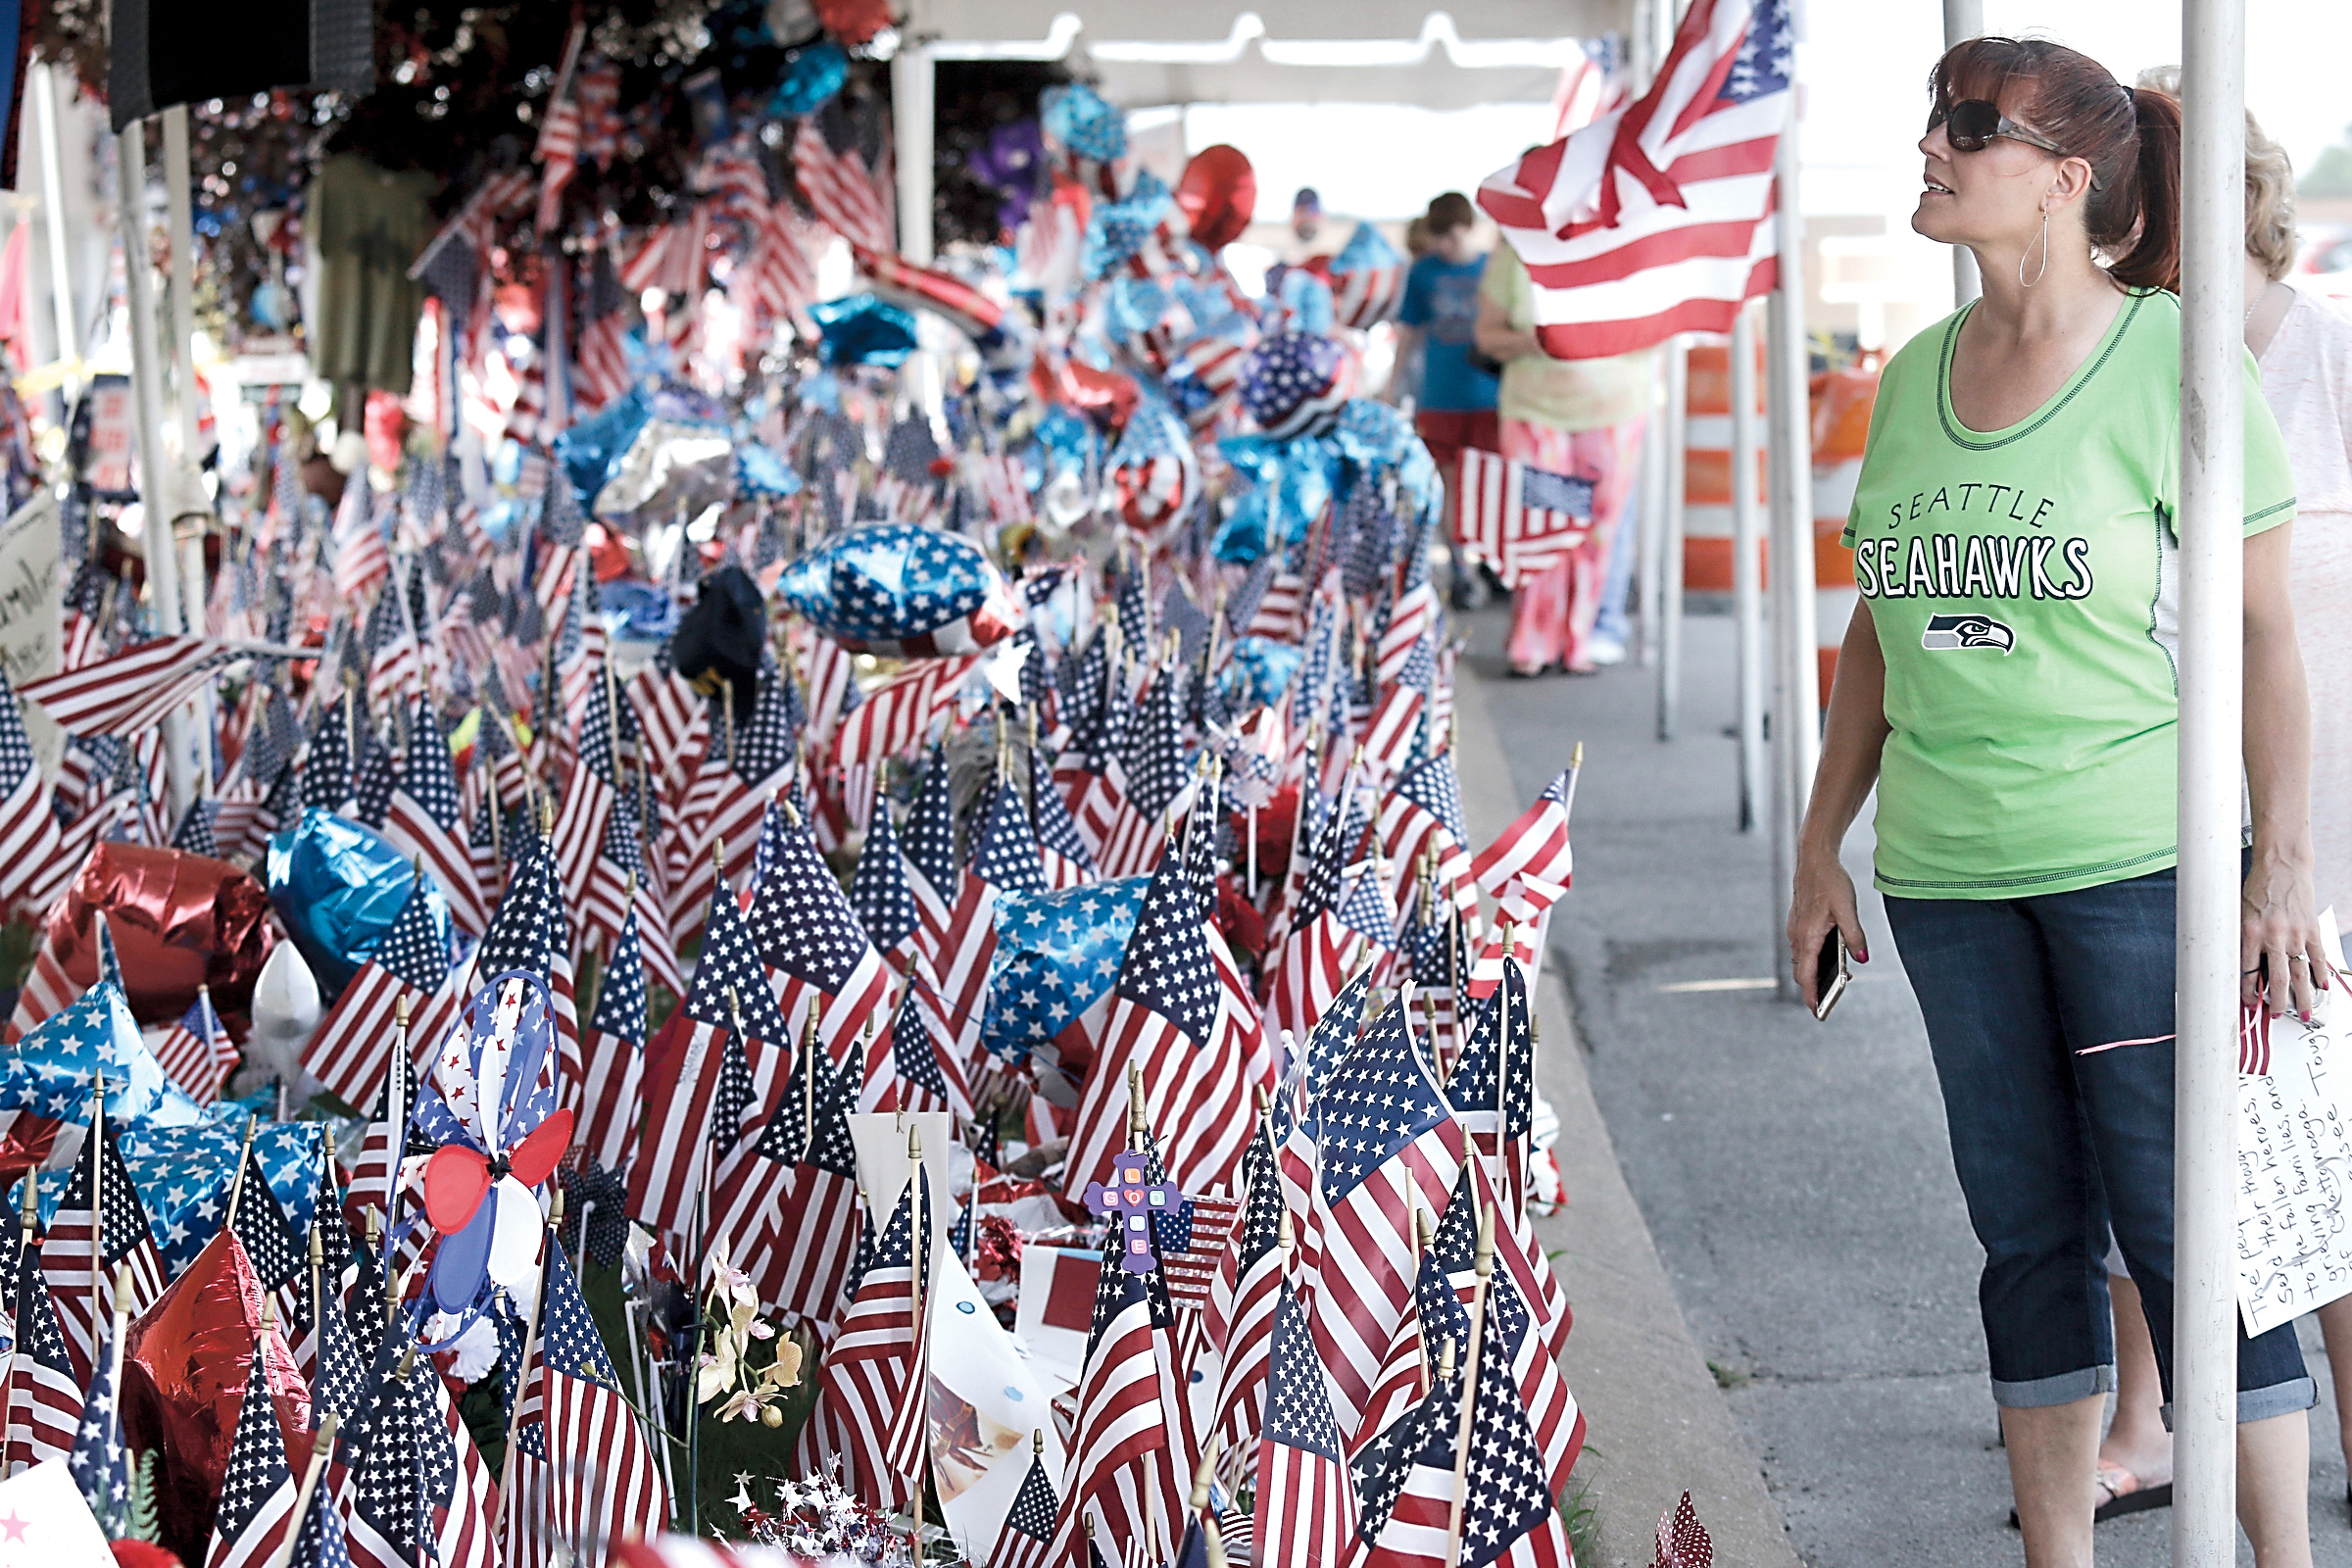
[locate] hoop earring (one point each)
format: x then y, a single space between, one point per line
2024 281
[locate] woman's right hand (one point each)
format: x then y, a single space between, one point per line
1823 898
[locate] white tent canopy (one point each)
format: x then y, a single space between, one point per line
1378 51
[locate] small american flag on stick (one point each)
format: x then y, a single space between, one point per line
1517 518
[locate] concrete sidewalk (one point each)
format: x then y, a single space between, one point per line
1787 1183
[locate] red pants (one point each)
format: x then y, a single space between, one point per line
1551 613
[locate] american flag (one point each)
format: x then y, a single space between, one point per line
1414 612
1305 1507
1386 1142
28 837
1656 220
1422 812
588 800
133 691
100 1462
1121 1468
389 1518
673 257
604 1486
807 933
196 1051
813 1236
901 710
1194 1247
925 1073
1395 725
559 154
425 819
956 908
879 893
44 1396
80 1286
1517 518
362 556
256 1492
349 1053
682 1068
869 1393
1534 848
1067 862
676 726
1240 1318
783 279
603 375
840 188
1507 1514
614 1046
1438 1315
1164 1018
1028 1529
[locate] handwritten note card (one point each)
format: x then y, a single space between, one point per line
2294 1165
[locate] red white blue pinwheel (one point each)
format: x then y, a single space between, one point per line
490 1103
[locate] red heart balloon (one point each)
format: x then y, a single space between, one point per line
533 1160
1217 194
454 1180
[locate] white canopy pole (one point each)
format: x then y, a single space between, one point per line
1674 463
1650 560
2213 55
1797 673
1748 575
53 223
913 94
157 485
1963 19
176 181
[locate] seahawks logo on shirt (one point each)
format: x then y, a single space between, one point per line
1945 633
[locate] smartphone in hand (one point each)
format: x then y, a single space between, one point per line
1830 974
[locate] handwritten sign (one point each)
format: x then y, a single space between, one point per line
2294 1165
30 619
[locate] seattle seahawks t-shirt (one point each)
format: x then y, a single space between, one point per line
2026 588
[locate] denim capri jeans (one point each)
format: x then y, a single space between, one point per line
2051 1023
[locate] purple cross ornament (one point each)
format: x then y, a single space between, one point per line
1129 1200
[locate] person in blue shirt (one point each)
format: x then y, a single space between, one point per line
1454 406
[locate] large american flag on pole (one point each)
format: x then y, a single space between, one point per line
1653 221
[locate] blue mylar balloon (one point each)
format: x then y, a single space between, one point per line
646 612
812 75
1057 955
1290 483
758 471
1084 121
863 329
1261 669
592 449
902 589
338 887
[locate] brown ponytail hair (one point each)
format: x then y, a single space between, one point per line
2129 137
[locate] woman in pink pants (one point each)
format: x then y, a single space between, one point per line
1573 416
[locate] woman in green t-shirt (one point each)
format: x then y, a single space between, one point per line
2009 683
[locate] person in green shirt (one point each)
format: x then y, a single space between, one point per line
2010 684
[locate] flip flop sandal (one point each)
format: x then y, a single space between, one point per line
2125 1494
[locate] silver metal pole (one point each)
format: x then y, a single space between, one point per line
1675 456
1789 474
913 94
2213 54
1649 558
53 220
1747 572
156 482
1963 19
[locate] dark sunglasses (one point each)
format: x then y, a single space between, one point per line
1971 122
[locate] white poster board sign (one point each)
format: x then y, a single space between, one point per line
31 614
2295 1164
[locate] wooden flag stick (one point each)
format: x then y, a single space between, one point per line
396 1111
236 1185
322 1446
1461 1441
1422 1232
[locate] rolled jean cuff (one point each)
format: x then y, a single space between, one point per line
2064 1388
2291 1397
